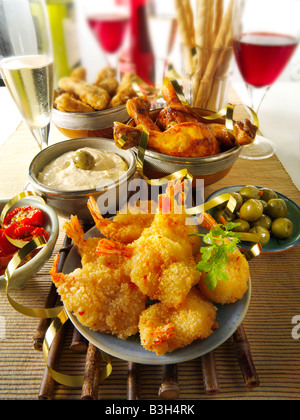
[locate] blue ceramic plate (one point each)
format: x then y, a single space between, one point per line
229 318
275 244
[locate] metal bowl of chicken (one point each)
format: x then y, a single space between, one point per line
211 169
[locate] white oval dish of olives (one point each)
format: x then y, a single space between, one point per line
268 213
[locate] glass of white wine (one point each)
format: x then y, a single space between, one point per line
26 62
162 24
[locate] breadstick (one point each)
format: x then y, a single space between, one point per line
183 22
220 42
219 10
190 20
201 35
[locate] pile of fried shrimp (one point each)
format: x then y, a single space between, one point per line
142 277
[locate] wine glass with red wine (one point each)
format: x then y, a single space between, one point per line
266 34
108 20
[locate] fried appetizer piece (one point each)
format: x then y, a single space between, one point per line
105 73
237 269
125 91
125 227
175 112
101 296
110 85
164 330
157 265
161 261
79 73
139 109
67 103
107 80
93 95
188 139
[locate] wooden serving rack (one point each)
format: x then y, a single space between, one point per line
169 388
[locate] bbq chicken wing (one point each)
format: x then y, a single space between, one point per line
189 139
177 130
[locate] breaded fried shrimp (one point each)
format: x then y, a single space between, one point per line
237 269
102 297
164 330
124 227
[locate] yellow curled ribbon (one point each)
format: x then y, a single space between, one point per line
142 88
184 173
72 381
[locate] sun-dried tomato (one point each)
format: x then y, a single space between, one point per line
27 215
6 248
25 233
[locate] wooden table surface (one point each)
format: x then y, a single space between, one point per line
268 324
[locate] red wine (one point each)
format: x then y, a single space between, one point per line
261 57
110 30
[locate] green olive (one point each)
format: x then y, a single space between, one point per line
282 228
251 210
262 233
250 192
264 221
267 194
277 208
265 204
244 226
84 160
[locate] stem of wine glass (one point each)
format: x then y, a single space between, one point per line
41 135
113 62
160 69
257 95
189 89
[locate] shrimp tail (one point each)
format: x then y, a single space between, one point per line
74 230
161 335
207 221
55 276
100 222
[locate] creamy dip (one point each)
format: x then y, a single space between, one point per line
62 174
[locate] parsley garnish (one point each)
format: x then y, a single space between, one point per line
215 254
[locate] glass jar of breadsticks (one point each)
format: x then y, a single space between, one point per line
207 53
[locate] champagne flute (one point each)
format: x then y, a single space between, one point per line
266 34
108 21
162 24
26 62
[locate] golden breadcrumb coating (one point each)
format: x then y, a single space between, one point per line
164 330
237 269
162 269
92 95
101 297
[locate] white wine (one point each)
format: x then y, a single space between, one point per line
162 30
29 80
